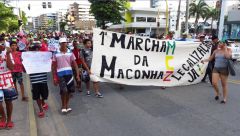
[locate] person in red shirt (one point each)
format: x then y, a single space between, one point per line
80 62
17 69
44 46
170 35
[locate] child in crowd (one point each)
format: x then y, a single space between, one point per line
7 89
63 73
39 86
87 54
18 69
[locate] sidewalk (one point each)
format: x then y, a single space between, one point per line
22 115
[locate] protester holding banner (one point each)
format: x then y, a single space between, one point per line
18 69
220 70
7 89
63 74
214 45
87 54
39 87
22 42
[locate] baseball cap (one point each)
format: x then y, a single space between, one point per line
202 36
62 40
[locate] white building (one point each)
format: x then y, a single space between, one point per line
36 22
83 12
144 21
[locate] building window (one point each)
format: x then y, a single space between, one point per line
140 30
141 19
151 19
132 19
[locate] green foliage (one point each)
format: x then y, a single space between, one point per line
24 18
198 9
50 22
8 20
13 26
106 11
62 25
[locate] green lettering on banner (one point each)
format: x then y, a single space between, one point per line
171 46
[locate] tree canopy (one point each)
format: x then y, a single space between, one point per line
8 20
106 11
198 9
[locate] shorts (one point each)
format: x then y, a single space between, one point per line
85 77
8 94
66 84
17 76
40 90
222 71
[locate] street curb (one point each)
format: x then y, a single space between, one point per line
31 114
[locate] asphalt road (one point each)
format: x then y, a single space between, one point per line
146 111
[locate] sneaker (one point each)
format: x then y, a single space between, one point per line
99 95
88 93
41 114
45 107
64 111
69 109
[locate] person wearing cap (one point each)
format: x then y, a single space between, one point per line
39 85
7 89
220 70
63 73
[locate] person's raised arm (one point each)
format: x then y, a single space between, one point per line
210 58
9 59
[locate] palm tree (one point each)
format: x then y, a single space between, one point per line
213 14
197 10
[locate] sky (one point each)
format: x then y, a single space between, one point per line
36 5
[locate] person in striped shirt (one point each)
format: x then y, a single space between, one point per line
39 87
63 73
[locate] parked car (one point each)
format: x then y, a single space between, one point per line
235 50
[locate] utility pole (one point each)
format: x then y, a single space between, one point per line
186 17
221 20
167 17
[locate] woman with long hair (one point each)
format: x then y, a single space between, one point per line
220 70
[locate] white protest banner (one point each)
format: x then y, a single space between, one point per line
53 44
37 62
141 61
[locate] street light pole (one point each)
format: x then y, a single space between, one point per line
221 20
167 17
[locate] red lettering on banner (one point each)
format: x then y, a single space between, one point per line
169 73
6 80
